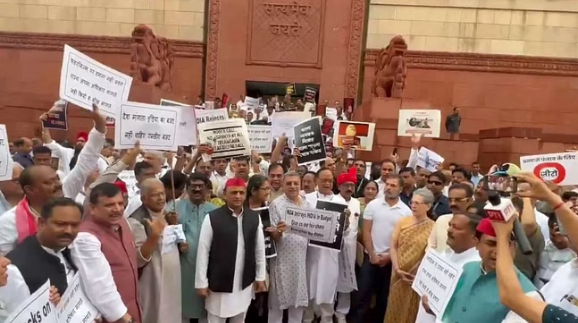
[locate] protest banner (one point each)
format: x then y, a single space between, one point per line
36 308
205 116
74 305
155 126
283 122
228 138
356 135
270 248
260 138
84 81
560 168
251 103
169 103
429 159
436 278
129 178
426 123
337 209
331 113
57 119
309 140
313 224
6 163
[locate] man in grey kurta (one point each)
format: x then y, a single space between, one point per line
158 256
192 212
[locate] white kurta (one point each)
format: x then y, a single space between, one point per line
322 264
349 245
562 290
226 305
459 259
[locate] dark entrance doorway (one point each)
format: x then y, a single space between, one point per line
266 90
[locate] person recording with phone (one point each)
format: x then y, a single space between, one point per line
560 301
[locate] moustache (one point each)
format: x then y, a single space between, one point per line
349 191
453 206
196 191
65 236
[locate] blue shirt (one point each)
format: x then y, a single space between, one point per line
23 159
441 206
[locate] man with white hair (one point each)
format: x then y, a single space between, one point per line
10 191
158 160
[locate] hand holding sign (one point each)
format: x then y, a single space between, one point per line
54 295
538 190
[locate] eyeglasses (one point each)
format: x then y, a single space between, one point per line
460 199
326 181
416 203
434 183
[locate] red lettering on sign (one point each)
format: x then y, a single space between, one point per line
556 175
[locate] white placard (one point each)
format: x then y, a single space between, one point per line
283 122
260 138
36 308
6 163
204 116
424 122
227 138
313 224
166 102
429 159
251 103
84 81
74 305
560 168
155 126
187 127
437 279
128 177
331 113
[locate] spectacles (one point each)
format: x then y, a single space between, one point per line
416 203
434 183
326 180
459 199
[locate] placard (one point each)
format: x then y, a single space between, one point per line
84 81
155 126
169 103
313 224
437 279
129 178
205 116
560 168
260 138
270 248
429 159
356 135
227 138
310 94
251 103
57 119
36 308
309 141
74 305
337 209
283 122
6 163
424 122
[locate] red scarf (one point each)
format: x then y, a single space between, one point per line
25 220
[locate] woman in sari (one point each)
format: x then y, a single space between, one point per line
409 242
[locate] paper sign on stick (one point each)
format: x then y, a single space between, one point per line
74 305
560 168
6 163
155 126
358 135
437 279
423 122
429 159
84 81
228 138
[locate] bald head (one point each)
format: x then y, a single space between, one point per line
40 183
149 185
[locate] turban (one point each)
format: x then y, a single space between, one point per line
82 135
122 186
349 177
485 227
235 182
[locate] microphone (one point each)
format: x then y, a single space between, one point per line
502 210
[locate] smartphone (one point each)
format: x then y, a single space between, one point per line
505 185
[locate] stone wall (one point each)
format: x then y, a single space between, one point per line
173 19
515 27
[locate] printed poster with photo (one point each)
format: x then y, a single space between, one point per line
309 141
155 126
338 209
426 123
357 135
429 159
228 138
84 81
57 119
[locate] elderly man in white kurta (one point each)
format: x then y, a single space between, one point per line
227 268
158 256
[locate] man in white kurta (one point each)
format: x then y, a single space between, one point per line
210 272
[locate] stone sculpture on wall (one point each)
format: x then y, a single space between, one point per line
151 58
390 70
